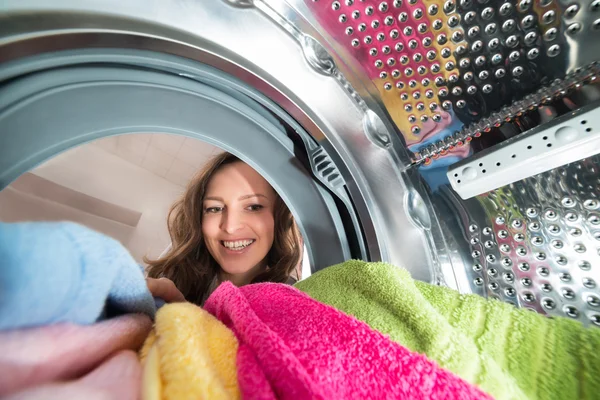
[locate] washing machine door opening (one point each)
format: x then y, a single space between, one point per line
61 100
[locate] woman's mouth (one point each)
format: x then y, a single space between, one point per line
237 245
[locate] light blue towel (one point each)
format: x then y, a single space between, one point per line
63 272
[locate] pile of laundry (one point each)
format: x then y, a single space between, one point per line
77 321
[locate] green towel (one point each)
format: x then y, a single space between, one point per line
508 352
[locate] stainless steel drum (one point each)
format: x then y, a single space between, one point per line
457 139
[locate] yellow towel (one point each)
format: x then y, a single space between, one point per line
189 355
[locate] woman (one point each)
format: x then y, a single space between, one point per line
229 225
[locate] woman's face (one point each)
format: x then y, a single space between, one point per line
237 221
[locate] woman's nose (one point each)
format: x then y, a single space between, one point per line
231 222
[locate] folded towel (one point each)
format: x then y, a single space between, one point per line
511 353
292 347
46 362
63 272
189 355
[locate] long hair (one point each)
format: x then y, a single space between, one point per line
189 264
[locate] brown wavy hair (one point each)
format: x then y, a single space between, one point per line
189 264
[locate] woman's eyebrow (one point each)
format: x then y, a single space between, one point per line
247 196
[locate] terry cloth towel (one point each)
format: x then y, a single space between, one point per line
63 272
293 347
189 355
48 362
511 353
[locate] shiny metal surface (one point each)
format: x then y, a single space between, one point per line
535 243
448 71
286 65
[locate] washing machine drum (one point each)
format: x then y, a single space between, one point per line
393 132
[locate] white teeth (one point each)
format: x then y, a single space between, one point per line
237 244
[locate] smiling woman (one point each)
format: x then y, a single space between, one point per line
230 225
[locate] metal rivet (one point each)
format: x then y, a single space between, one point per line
568 294
478 281
427 42
453 21
397 3
546 287
593 301
449 67
510 292
533 53
368 40
398 46
528 297
490 258
343 18
403 17
487 13
502 234
575 232
335 5
512 41
527 21
491 28
492 272
550 34
589 283
524 5
574 28
571 311
565 277
418 13
391 61
461 104
595 319
470 17
508 277
349 31
584 265
378 64
437 24
412 44
508 25
436 117
442 39
375 24
517 71
494 43
369 10
380 37
433 9
504 248
493 286
420 106
449 6
387 86
579 248
395 73
445 52
383 74
383 7
590 204
355 43
477 267
549 304
400 85
543 271
416 130
394 33
571 11
548 17
595 6
447 105
505 9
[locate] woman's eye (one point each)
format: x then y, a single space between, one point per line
212 210
255 207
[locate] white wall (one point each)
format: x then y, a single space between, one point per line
93 171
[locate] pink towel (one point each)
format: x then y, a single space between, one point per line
293 347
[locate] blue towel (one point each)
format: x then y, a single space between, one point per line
54 272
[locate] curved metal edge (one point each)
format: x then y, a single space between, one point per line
22 94
280 72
